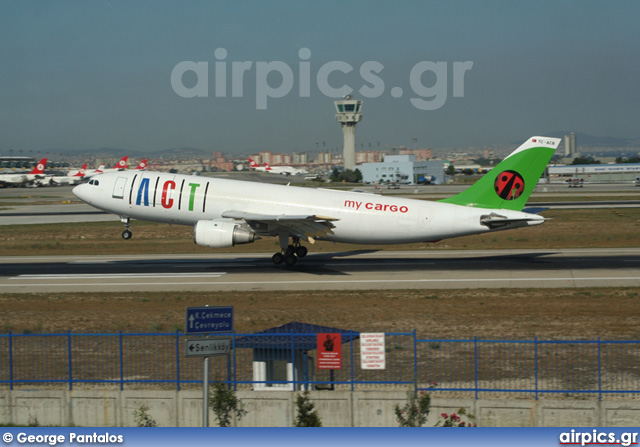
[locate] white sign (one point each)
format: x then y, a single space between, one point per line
372 354
207 347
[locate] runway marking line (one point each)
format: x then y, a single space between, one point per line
120 275
324 281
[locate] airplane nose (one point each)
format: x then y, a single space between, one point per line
82 192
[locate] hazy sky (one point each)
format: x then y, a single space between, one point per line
87 74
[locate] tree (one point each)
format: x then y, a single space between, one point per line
414 413
225 404
585 161
306 414
627 160
346 175
451 170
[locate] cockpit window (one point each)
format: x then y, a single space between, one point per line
94 182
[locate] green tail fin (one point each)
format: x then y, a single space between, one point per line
510 183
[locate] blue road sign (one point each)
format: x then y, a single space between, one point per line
209 320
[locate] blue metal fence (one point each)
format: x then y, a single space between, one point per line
461 367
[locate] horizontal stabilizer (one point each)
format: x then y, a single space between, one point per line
534 210
496 221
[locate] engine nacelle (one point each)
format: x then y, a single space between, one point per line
221 234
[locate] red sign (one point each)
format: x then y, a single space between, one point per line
329 351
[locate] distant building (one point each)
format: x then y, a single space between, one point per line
368 157
597 172
403 169
324 158
420 154
266 157
423 154
11 163
570 149
222 165
299 158
276 159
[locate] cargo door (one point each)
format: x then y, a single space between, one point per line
118 188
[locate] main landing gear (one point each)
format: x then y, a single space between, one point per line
126 234
290 252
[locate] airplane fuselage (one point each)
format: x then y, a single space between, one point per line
19 179
358 217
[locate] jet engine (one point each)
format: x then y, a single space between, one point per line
221 234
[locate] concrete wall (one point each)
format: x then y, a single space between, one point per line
276 409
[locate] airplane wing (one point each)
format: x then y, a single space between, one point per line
306 227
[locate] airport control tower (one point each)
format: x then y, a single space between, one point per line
349 113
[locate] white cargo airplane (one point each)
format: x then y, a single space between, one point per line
36 174
229 212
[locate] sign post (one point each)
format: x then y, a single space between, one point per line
205 392
207 320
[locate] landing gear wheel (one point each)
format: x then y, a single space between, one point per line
289 252
278 258
126 234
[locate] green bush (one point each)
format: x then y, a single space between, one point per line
142 417
225 404
306 414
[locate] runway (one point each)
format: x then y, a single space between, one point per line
486 269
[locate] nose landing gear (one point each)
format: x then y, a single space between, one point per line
126 234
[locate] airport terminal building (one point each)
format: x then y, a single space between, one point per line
403 169
11 163
604 173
